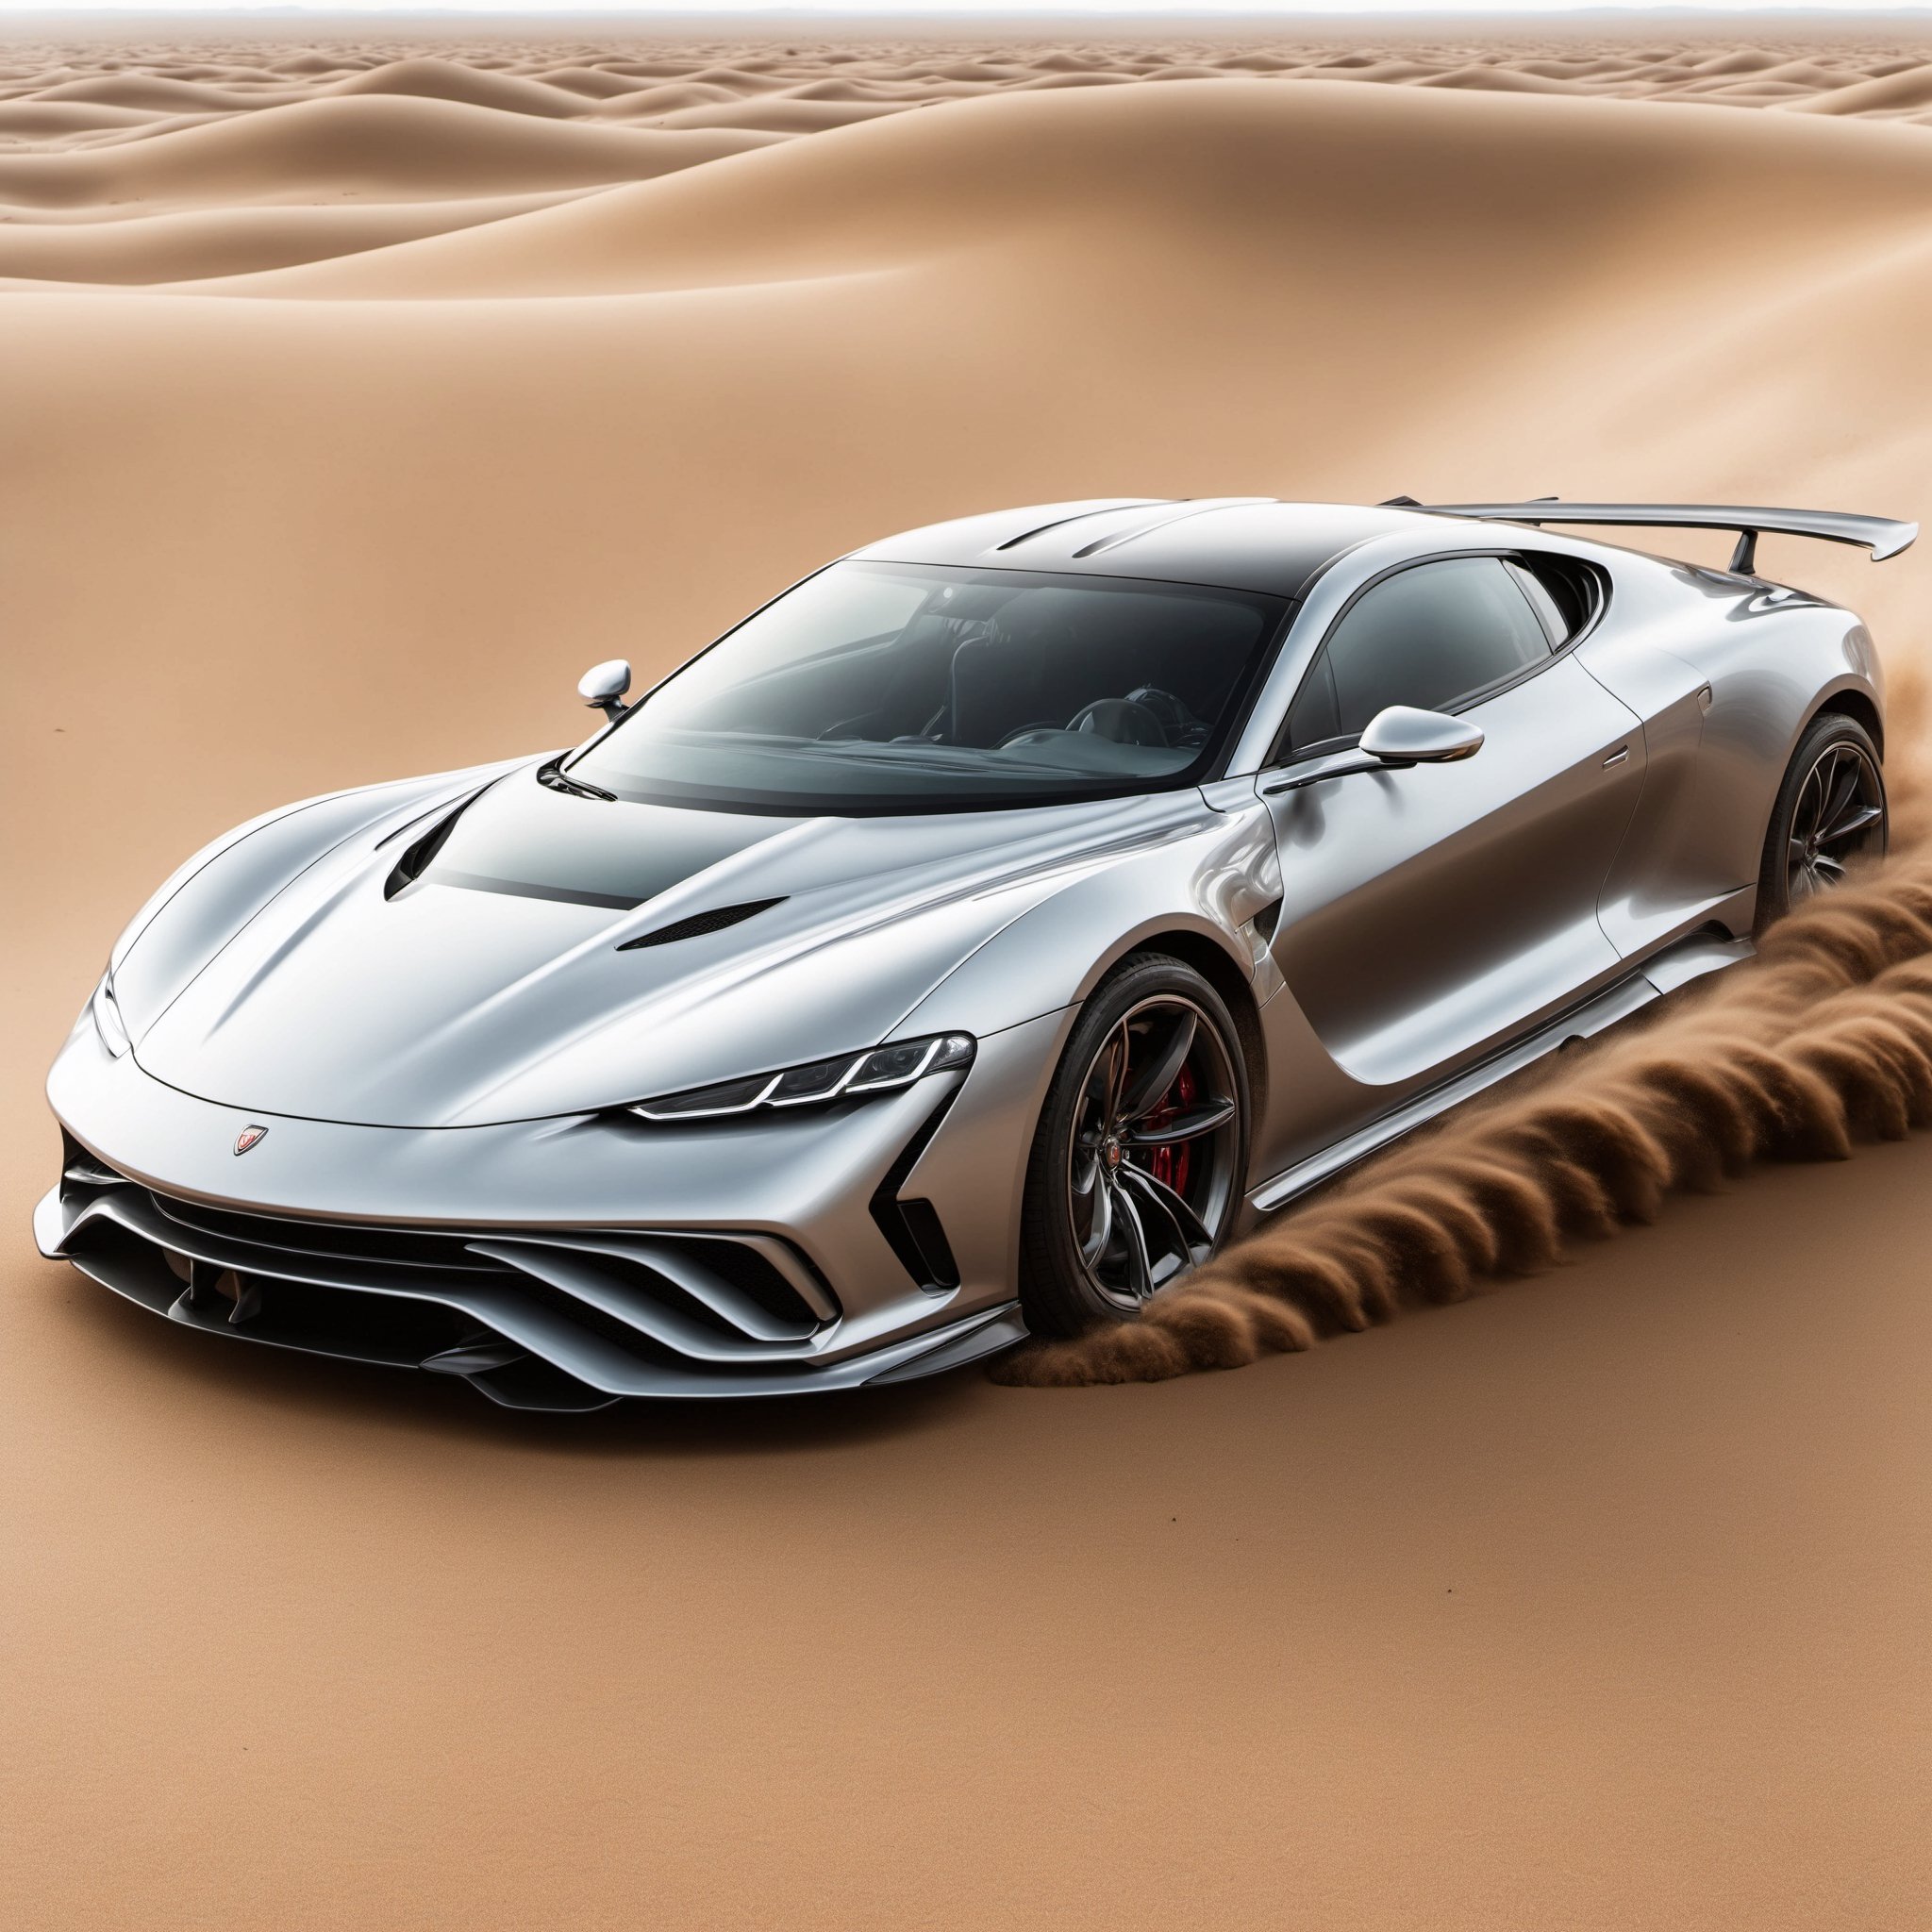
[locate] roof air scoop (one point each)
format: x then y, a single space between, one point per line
700 924
1176 511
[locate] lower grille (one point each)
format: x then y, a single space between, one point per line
386 1246
537 1317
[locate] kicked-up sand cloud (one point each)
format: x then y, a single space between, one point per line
1823 1040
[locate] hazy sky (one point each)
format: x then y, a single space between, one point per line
1177 9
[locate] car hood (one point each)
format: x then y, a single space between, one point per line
474 969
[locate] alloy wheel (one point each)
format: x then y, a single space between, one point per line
1839 816
1151 1162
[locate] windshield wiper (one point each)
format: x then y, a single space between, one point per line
552 774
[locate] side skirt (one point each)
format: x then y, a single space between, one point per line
1675 966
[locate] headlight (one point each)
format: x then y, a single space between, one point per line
105 1015
851 1076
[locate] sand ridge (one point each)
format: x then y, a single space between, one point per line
282 121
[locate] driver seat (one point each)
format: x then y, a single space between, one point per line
997 683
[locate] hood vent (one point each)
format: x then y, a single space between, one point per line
416 858
699 924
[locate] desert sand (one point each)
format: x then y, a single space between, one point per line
357 395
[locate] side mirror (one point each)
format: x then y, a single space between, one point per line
1404 736
603 686
1393 740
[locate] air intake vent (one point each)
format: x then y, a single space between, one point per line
699 924
414 862
912 1228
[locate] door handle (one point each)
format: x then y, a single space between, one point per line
1617 756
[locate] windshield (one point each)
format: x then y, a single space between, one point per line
890 686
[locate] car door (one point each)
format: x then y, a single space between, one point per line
1430 913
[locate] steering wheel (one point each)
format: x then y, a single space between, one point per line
1176 719
1123 720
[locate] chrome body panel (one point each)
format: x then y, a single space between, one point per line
452 1006
443 1064
1726 672
1440 907
1664 973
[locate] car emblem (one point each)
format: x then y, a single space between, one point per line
247 1137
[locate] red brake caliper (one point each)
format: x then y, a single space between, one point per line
1169 1163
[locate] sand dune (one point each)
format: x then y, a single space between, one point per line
377 146
785 115
450 80
1137 177
157 94
42 120
352 415
1894 94
595 83
223 241
750 88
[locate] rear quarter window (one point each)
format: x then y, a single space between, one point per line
1565 594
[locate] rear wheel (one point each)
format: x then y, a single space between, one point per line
1830 810
1139 1160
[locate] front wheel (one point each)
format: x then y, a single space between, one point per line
1830 810
1137 1165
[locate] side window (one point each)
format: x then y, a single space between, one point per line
1431 637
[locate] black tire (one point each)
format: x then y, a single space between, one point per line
1151 1206
1831 809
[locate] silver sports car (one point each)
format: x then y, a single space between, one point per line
968 943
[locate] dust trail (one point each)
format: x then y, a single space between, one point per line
1822 1040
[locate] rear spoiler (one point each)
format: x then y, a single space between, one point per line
1880 535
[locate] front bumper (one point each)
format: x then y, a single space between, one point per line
570 1262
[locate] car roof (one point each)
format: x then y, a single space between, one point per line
1240 543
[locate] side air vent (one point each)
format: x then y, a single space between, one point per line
699 924
912 1228
553 775
926 1232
